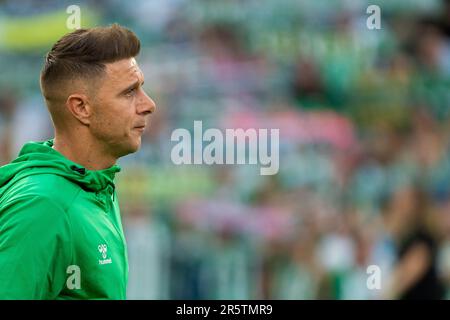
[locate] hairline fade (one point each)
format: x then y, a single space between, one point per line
82 55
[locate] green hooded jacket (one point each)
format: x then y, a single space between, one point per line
61 235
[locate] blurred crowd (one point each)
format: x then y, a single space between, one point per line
364 119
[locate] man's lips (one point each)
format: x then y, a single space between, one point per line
140 128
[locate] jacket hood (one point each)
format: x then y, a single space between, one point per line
40 157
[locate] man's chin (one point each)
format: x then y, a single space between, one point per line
135 146
130 148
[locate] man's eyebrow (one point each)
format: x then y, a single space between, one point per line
132 86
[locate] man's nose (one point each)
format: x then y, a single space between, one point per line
147 105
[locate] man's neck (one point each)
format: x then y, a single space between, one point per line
89 155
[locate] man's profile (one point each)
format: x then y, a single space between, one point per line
61 235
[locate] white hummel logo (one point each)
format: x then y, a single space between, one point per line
103 249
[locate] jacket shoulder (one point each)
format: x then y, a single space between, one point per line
43 185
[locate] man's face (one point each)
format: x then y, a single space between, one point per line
120 108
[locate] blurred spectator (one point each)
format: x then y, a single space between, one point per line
414 275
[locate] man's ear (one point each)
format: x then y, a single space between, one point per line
78 105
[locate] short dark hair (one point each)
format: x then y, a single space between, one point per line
83 54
